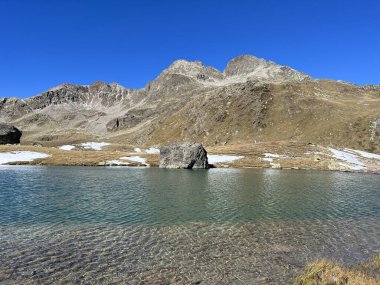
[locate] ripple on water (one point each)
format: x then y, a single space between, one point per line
124 226
182 253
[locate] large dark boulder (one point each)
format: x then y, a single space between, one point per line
9 134
183 155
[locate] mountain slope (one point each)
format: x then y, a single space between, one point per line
252 100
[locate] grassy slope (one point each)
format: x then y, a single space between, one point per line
323 112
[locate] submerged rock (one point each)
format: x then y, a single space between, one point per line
184 155
9 134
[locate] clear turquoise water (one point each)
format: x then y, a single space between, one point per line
122 225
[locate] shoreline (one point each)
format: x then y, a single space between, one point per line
269 155
156 166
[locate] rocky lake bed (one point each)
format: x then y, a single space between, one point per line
118 225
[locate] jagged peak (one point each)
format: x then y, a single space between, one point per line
185 67
63 86
116 84
193 69
98 83
245 64
239 69
251 67
180 63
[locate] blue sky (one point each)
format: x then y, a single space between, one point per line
45 43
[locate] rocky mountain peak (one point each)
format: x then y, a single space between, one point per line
253 68
63 86
244 64
238 70
183 65
193 69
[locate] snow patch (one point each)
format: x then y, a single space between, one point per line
152 150
94 145
356 164
270 156
364 153
116 163
14 156
135 159
216 158
137 149
273 155
123 161
66 147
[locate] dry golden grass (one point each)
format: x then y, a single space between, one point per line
323 112
297 156
79 157
295 152
325 272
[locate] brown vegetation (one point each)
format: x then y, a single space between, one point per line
325 272
294 155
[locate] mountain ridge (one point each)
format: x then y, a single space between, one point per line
250 100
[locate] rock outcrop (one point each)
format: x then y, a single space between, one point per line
9 134
375 131
253 68
184 155
96 95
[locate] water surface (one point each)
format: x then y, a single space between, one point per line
155 226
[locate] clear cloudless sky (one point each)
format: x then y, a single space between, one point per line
44 43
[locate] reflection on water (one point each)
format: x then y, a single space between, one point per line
121 225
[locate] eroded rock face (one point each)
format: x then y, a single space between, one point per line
130 119
375 131
98 94
185 155
9 134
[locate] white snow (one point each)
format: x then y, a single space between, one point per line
348 157
216 158
6 157
94 145
123 161
273 155
270 156
364 153
116 162
135 159
152 150
67 147
137 149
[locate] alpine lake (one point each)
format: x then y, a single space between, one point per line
119 225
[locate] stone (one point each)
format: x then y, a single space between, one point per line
375 130
9 134
185 155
